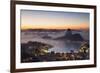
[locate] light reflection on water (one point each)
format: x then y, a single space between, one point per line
66 47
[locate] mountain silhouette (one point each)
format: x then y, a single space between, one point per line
72 37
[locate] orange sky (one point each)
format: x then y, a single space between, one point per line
82 26
35 19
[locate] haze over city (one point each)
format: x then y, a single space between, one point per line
54 36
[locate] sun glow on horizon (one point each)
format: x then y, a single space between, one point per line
37 19
76 27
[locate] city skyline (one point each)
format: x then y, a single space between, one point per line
38 19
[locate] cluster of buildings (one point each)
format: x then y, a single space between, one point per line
39 53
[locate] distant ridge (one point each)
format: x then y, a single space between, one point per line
49 30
